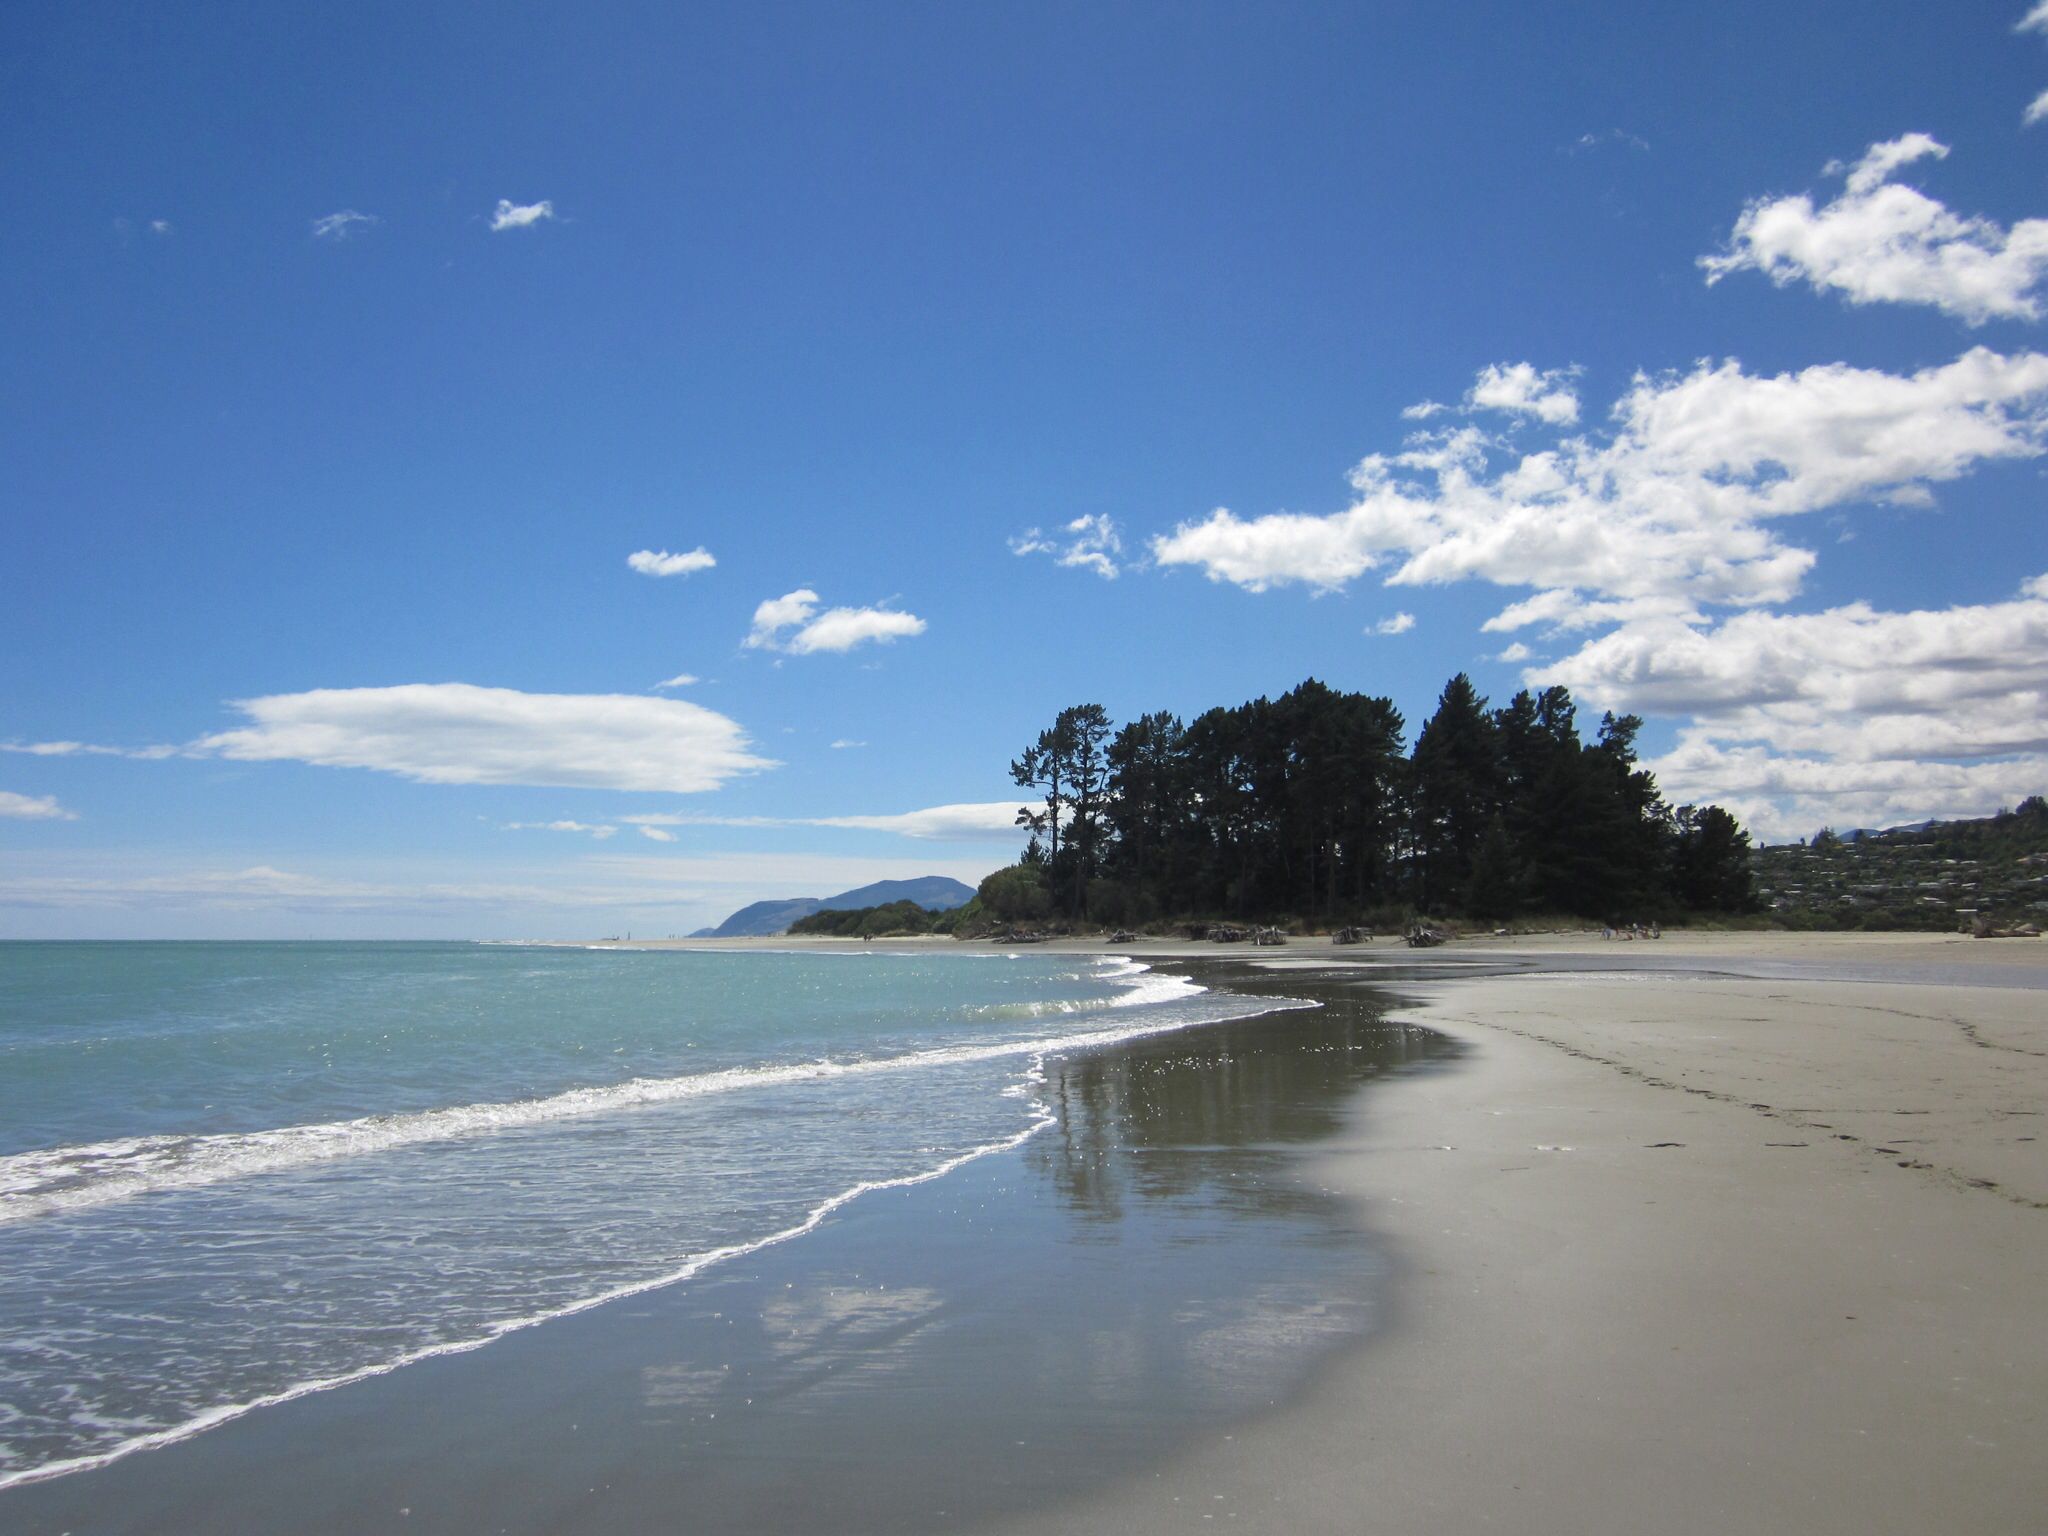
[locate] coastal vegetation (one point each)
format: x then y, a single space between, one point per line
1311 808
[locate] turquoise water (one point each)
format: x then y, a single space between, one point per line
234 1173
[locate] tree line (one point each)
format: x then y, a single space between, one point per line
1310 806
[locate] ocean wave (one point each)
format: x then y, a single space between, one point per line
70 1178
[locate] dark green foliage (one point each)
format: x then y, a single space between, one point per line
1710 861
891 919
1306 805
1016 894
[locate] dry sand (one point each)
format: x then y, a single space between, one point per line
1683 1253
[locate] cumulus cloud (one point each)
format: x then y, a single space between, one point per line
1780 797
978 821
1853 681
457 733
836 629
659 562
1521 389
511 215
1515 652
339 226
599 832
1853 715
1090 543
1879 242
18 807
1399 624
1671 509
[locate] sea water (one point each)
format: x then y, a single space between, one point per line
231 1174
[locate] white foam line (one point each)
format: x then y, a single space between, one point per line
71 1178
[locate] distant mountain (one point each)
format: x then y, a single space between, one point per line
760 919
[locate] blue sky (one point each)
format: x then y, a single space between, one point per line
348 357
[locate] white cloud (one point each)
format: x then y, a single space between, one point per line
1515 652
339 226
1513 389
599 832
659 562
457 733
656 834
17 807
2036 19
511 215
844 743
2036 110
1851 682
836 629
680 680
86 749
1851 715
160 227
1780 797
1521 389
1090 543
1672 509
1399 624
978 821
1879 242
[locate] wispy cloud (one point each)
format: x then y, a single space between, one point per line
457 733
659 562
600 832
979 821
339 226
16 807
835 629
680 680
1586 142
1090 543
1879 242
845 743
657 834
511 215
86 749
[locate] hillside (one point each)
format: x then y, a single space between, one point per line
761 919
1935 875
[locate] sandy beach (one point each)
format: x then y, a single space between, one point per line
1685 1253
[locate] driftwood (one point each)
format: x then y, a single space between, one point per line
1269 936
1423 937
1350 936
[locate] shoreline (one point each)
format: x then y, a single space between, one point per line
1120 1273
1665 1247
